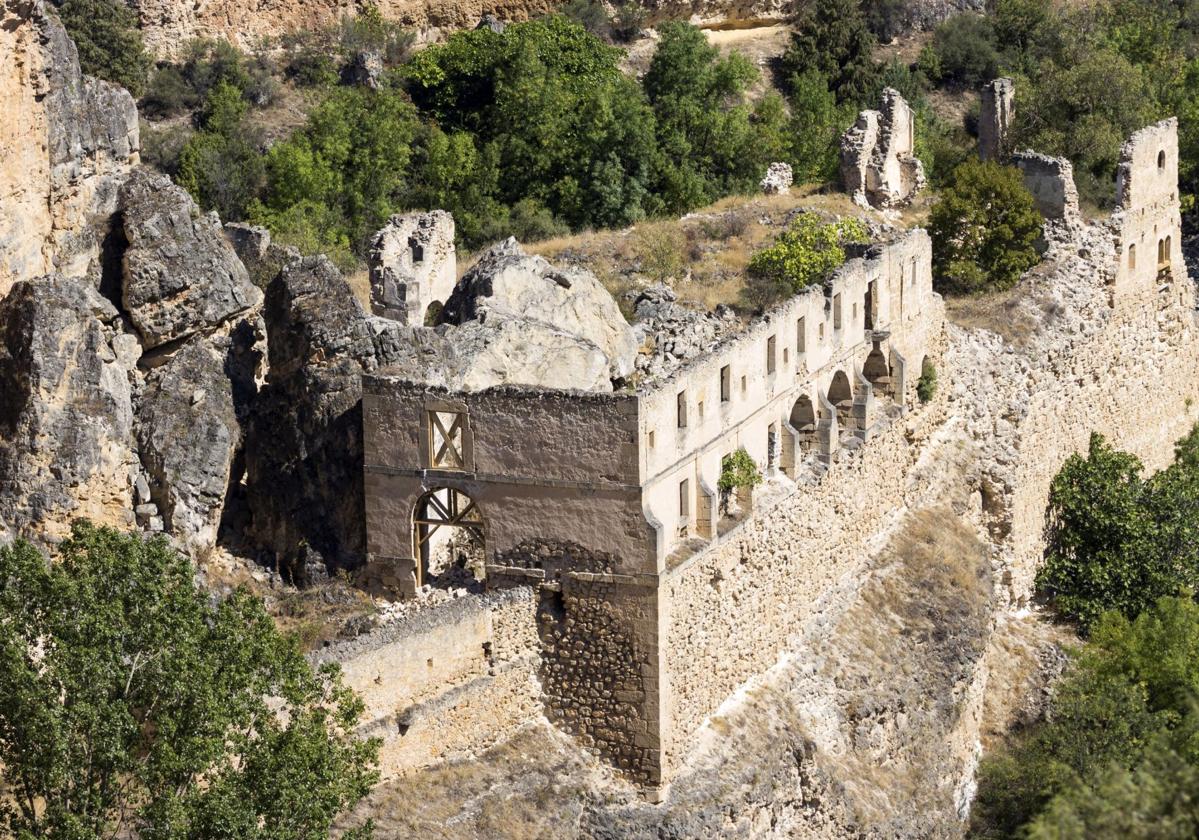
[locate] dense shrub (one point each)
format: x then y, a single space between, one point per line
133 702
1118 541
831 37
368 31
983 229
1115 756
220 165
738 471
966 51
109 41
926 385
807 252
207 63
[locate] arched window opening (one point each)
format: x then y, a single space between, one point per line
1161 159
433 313
878 372
840 394
803 420
448 539
1132 257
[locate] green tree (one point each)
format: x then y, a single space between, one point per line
220 165
1117 541
738 470
109 41
1116 753
131 702
807 252
966 50
817 123
832 38
983 227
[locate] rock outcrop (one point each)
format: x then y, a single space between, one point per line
66 142
189 431
304 448
777 180
180 274
66 419
670 334
561 313
879 167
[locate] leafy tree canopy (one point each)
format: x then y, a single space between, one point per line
983 228
130 701
807 252
832 38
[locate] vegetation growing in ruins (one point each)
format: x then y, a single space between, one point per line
807 252
738 471
926 385
110 45
1119 541
984 229
131 701
1116 754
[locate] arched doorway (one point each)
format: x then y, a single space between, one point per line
448 539
803 420
840 394
878 372
433 313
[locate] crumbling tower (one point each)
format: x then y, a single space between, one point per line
997 113
413 267
879 167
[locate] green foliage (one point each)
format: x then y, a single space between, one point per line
926 385
109 41
368 31
132 702
1119 541
885 18
1116 753
817 124
983 229
659 247
807 252
350 159
831 37
591 15
220 164
965 50
738 471
206 64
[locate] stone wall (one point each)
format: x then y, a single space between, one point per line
448 681
730 611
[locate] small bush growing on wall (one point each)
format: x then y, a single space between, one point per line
926 386
738 470
806 252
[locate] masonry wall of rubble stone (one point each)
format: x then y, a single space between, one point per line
448 681
728 612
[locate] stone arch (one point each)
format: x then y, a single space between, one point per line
840 394
803 420
448 538
432 315
877 372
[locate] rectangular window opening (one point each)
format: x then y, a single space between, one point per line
801 338
681 409
726 383
770 354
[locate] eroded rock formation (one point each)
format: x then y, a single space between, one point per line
66 142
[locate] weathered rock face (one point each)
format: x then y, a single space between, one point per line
189 427
669 334
879 167
304 448
66 142
181 276
66 418
560 312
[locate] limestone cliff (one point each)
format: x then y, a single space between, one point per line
66 141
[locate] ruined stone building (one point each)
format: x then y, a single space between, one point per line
609 505
879 167
413 267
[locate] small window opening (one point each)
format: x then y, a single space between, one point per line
699 410
726 384
681 409
1161 159
650 439
1132 257
770 353
836 312
801 338
820 331
418 252
446 430
786 357
743 386
685 500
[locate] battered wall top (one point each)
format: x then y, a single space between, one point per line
1148 169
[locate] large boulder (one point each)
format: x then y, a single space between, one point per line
189 432
66 143
66 417
561 312
304 446
181 276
